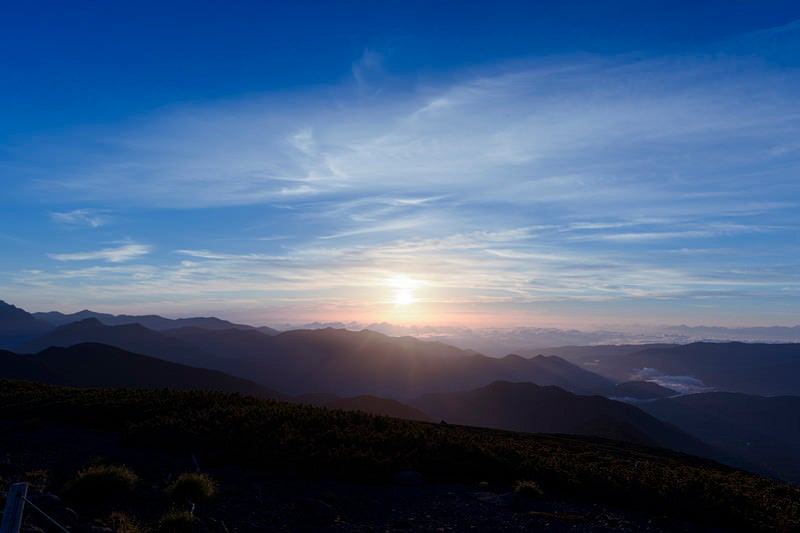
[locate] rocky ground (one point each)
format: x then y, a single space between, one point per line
48 455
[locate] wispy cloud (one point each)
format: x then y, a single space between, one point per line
82 217
570 179
119 254
369 65
590 135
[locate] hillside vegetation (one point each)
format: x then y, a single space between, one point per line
302 440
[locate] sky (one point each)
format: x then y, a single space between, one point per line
540 164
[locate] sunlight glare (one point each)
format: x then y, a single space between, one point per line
403 297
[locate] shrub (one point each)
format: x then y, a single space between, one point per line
529 489
192 486
103 482
123 523
177 522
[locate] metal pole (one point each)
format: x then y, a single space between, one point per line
15 502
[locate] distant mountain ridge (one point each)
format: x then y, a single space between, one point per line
350 363
154 322
131 337
17 325
642 390
342 362
101 365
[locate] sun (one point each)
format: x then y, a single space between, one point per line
403 297
403 291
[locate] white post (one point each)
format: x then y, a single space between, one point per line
15 502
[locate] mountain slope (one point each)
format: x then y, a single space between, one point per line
531 408
582 379
759 430
641 390
769 369
100 365
25 367
349 363
131 337
760 369
18 326
293 440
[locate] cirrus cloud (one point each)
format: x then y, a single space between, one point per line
119 254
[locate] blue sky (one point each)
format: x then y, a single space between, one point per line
497 163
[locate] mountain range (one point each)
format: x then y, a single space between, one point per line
342 362
154 322
759 369
563 389
18 326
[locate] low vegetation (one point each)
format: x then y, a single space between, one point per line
124 523
529 489
293 439
103 483
193 486
177 522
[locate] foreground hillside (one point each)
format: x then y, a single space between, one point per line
300 441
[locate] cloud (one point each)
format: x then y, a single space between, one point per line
585 146
120 254
681 384
81 217
569 179
368 66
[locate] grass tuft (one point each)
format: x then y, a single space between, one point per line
103 483
177 522
193 486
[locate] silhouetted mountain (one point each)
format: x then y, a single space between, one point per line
587 355
18 326
25 367
753 429
531 408
350 363
342 362
641 390
100 365
580 378
154 322
131 337
766 369
225 344
782 334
